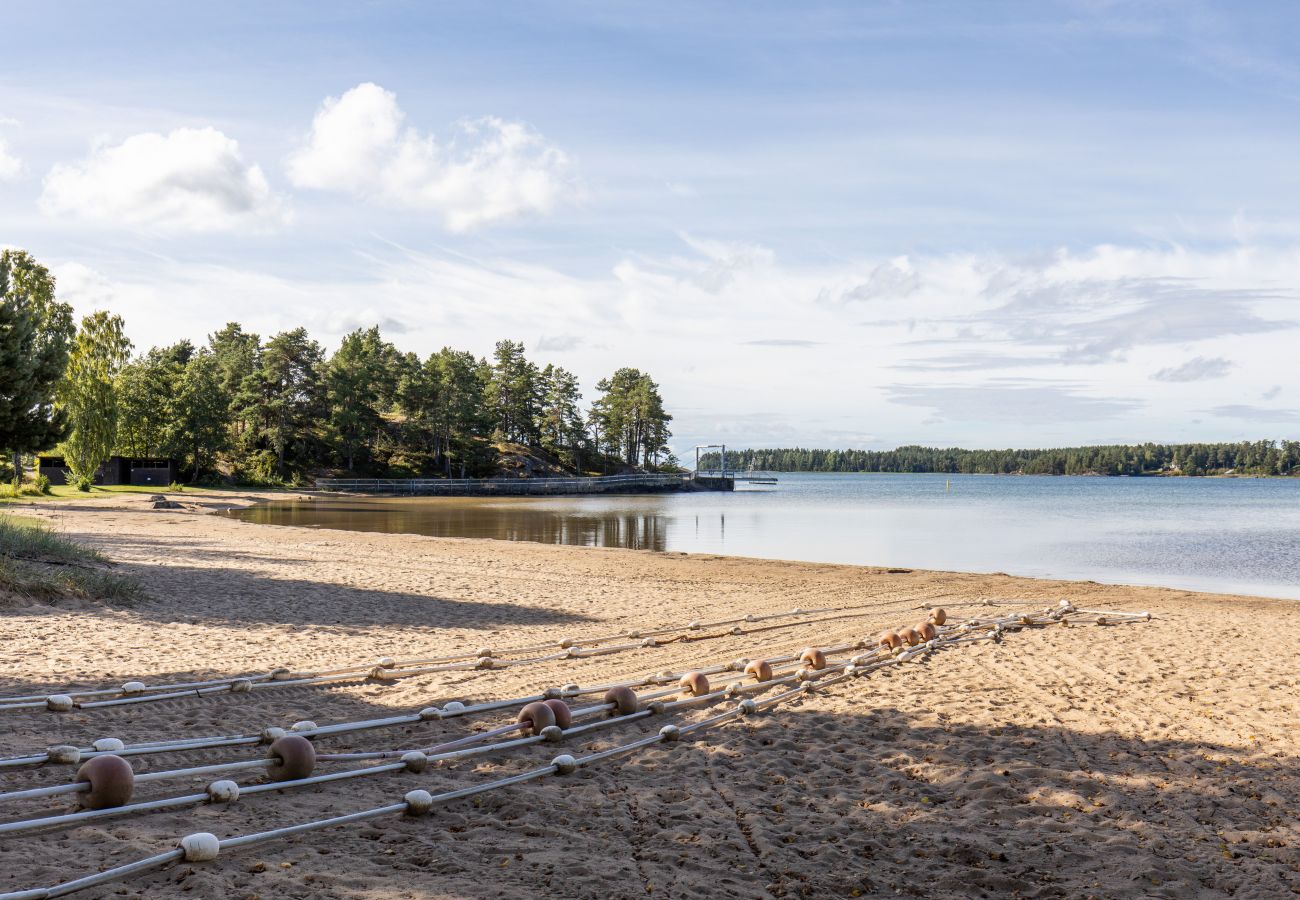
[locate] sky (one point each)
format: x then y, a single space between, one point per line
855 225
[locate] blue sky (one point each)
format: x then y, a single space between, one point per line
838 224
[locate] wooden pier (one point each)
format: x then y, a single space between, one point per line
509 487
649 483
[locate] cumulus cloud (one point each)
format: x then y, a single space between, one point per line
892 280
10 165
485 170
1198 368
559 343
191 178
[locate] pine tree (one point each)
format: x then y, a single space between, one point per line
35 333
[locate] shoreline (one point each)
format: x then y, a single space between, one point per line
1022 766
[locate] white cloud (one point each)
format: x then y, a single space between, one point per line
10 165
488 170
956 371
191 178
1198 368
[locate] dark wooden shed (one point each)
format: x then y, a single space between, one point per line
117 470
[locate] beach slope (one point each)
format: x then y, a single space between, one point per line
1157 759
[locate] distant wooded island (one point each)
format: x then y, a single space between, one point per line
1245 458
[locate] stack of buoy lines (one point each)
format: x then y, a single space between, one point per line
71 755
105 784
388 669
541 720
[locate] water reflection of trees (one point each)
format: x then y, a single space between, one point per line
628 530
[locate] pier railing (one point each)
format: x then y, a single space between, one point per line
599 484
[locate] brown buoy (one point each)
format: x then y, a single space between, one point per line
910 636
760 669
111 782
938 615
813 658
293 757
538 715
694 683
563 715
927 631
624 699
889 639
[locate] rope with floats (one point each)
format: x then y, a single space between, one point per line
815 671
388 669
71 755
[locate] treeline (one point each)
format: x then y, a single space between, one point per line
243 408
1246 458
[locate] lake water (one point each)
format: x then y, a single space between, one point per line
1231 535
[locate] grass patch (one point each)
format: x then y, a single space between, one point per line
38 564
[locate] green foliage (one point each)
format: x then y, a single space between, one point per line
88 396
36 563
629 418
281 402
35 331
560 421
513 394
1245 458
360 384
277 412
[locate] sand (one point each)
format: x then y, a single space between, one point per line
1149 760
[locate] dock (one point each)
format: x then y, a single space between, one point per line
646 483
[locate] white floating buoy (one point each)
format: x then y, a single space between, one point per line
200 847
454 706
304 725
670 732
63 753
415 760
272 734
59 703
134 687
108 745
565 764
224 791
418 802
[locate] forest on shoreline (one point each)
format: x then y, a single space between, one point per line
240 408
1258 458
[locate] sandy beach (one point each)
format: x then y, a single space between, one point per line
1155 759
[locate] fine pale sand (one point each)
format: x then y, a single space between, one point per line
1148 760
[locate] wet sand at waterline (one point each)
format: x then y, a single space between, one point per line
1149 760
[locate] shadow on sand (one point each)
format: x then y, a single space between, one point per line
885 802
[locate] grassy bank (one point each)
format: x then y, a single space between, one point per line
38 564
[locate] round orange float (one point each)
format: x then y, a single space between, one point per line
536 715
813 658
563 715
760 670
624 699
294 757
694 683
111 782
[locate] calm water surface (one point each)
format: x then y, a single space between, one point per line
1232 535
